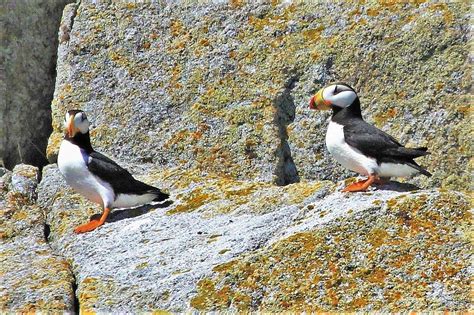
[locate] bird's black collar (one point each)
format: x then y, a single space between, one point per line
342 115
81 140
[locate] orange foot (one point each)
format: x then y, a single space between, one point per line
90 226
360 185
93 224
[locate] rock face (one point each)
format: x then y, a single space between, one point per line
28 53
209 103
223 88
304 246
32 277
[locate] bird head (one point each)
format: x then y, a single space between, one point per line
339 95
76 122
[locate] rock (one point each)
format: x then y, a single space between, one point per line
208 102
28 54
299 247
223 88
32 277
384 252
153 255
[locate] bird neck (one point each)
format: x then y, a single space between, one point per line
82 140
342 114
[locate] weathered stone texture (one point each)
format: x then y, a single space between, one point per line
28 34
410 252
32 277
209 102
152 256
250 246
223 88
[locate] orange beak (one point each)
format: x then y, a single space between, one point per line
70 127
318 102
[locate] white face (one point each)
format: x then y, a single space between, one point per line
79 123
339 95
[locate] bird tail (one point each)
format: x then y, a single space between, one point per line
160 196
410 153
416 152
420 169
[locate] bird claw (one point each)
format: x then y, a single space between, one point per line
93 224
360 185
90 226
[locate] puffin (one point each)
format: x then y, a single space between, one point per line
359 146
97 177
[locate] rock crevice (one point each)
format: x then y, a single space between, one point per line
29 55
285 171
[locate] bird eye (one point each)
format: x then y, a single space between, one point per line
83 116
335 90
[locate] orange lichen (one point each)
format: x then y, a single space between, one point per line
360 302
377 237
313 35
194 200
176 27
377 276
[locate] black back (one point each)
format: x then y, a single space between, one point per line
120 179
372 141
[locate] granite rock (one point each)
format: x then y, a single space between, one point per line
223 87
27 73
386 252
304 246
32 277
209 103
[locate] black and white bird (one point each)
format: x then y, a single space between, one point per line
97 177
359 146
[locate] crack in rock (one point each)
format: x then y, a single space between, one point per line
285 171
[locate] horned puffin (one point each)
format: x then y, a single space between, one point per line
97 177
359 146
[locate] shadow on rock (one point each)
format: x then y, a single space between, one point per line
397 186
122 214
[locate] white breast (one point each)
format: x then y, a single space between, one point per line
347 156
72 162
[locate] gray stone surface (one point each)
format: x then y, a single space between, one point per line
223 88
159 258
28 59
209 103
32 277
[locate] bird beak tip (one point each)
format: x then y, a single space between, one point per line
312 103
70 127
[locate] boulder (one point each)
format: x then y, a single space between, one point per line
223 88
209 103
32 276
28 56
240 246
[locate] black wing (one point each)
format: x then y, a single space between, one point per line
375 143
119 178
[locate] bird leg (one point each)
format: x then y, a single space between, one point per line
93 224
361 185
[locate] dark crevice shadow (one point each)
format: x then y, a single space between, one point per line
285 170
121 214
397 186
76 304
46 232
